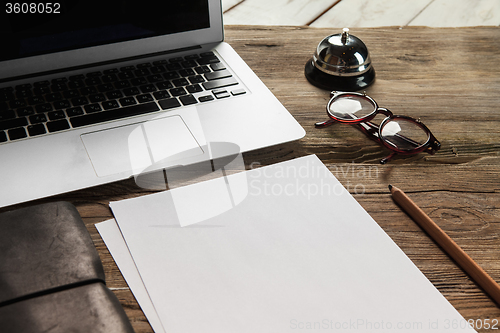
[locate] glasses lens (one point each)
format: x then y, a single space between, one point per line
351 107
404 134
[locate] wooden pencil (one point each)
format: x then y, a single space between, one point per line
447 244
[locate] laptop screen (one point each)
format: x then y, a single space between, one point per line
36 28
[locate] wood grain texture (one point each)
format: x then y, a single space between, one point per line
371 13
229 4
449 78
276 12
463 13
363 13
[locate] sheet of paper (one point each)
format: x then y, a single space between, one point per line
112 236
294 252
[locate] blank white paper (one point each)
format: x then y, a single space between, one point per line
297 253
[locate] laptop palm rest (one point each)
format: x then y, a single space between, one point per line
136 147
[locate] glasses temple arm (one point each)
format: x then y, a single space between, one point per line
326 123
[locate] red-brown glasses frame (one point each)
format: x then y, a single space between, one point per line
374 131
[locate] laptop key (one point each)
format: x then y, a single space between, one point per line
237 92
13 123
38 118
188 100
27 111
76 111
206 98
126 75
218 66
56 87
180 82
191 56
139 81
171 75
39 84
131 91
194 88
144 98
110 105
189 64
208 60
97 98
88 91
196 79
207 54
37 129
230 81
79 101
186 72
178 91
58 125
3 136
169 103
122 84
218 75
93 81
128 101
17 103
155 78
73 93
9 114
17 133
77 84
44 108
94 74
54 115
99 117
142 72
6 96
91 108
24 93
147 88
164 85
53 97
105 87
157 69
114 94
202 69
108 78
62 105
161 94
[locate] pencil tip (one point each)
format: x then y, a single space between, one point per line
390 187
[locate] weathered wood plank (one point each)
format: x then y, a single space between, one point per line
371 13
276 12
363 13
463 13
228 4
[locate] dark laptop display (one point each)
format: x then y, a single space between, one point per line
29 29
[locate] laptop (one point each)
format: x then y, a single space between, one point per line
93 92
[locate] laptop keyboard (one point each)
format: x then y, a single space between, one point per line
44 107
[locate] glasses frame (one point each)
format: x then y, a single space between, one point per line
374 131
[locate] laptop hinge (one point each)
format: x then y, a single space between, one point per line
96 64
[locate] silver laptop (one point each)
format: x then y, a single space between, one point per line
95 92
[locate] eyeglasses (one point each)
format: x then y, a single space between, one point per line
401 134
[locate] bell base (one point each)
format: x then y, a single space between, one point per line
341 83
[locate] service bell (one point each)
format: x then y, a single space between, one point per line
341 62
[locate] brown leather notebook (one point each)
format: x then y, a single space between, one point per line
51 276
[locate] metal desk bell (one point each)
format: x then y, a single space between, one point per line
341 62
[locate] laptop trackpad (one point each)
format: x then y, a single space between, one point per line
133 148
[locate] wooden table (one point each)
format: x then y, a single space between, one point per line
450 79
